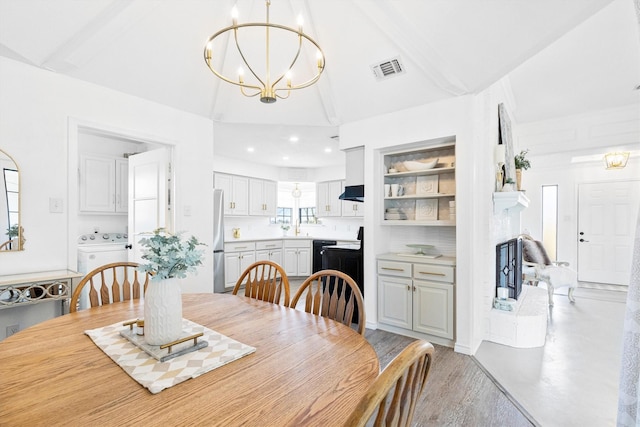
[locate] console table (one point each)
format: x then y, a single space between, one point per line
33 288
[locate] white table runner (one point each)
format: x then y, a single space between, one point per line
155 375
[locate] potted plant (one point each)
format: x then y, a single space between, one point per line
169 257
285 228
508 185
522 163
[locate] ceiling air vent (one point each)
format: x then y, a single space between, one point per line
389 68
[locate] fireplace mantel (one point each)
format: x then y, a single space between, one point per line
514 201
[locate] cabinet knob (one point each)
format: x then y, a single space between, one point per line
409 288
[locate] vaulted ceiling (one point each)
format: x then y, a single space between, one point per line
562 57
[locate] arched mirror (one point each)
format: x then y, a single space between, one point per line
11 231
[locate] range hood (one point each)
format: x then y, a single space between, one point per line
354 193
354 175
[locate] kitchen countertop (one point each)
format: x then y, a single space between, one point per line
263 239
442 260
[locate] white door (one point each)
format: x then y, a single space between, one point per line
149 196
607 214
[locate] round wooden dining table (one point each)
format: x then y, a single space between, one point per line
306 370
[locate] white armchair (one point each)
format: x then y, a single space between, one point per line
538 267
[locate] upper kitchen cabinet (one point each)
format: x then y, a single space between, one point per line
419 186
236 193
327 198
103 184
263 197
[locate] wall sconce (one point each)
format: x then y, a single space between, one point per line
616 160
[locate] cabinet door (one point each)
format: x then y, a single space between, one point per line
246 259
270 191
304 262
263 255
433 308
394 301
240 191
275 255
355 209
256 197
97 184
291 261
223 182
122 185
335 190
322 201
231 269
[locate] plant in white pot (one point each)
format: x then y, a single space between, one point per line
169 258
522 163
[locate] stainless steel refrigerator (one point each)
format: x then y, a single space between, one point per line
218 241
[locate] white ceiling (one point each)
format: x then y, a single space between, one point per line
562 57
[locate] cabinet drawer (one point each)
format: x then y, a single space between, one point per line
239 246
438 273
269 244
391 268
297 243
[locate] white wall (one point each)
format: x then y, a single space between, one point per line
38 112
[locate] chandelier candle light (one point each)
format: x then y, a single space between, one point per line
267 87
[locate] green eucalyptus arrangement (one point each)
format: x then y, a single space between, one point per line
169 256
13 231
521 161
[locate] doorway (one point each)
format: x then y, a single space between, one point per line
607 214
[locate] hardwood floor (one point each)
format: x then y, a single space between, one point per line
458 392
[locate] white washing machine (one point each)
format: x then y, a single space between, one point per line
95 250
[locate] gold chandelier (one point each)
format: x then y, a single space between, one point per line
616 160
268 87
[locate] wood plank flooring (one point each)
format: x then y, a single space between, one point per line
458 391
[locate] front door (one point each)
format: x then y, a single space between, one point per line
607 215
149 196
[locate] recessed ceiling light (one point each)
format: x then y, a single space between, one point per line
294 139
285 158
250 149
328 150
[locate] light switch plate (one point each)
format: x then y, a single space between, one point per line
55 205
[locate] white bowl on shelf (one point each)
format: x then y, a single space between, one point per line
413 165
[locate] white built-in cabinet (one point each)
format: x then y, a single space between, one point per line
417 295
297 257
328 203
237 257
104 184
236 193
263 197
352 209
270 250
425 197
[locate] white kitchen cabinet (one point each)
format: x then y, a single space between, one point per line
327 197
424 197
236 193
104 184
417 296
237 257
270 250
352 209
263 197
297 257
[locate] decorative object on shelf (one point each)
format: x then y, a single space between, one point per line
508 186
505 139
387 190
452 210
522 163
412 165
169 258
395 213
499 155
616 160
427 210
426 185
293 44
395 190
285 229
426 251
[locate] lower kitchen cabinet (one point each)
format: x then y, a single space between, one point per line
237 257
270 250
297 257
417 296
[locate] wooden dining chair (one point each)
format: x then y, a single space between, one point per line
264 280
393 395
118 281
333 294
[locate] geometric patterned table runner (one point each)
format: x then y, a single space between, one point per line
155 375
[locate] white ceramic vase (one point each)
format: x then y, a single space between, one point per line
162 312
